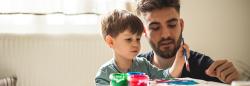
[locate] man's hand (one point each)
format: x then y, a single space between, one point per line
223 70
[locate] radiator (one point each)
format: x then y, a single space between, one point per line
52 60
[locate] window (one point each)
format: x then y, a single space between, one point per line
56 16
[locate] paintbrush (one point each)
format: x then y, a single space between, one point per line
185 57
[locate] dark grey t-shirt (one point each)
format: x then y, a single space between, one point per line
198 65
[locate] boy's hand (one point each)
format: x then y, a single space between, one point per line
223 70
176 68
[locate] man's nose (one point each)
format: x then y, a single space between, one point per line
165 32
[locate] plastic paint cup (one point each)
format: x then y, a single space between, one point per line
118 79
138 80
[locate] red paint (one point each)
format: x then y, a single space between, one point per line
187 66
138 80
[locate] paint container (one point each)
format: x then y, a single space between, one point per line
138 79
118 79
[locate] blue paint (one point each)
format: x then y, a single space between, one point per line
182 82
135 73
178 82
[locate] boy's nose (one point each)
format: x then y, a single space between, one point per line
135 44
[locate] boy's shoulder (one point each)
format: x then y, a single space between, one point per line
107 65
106 69
102 75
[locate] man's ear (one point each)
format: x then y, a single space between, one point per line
182 24
145 32
109 41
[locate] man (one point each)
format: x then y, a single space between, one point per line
164 29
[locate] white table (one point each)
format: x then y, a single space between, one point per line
200 83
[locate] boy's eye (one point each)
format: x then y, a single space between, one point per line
138 39
129 39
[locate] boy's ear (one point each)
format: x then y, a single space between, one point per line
109 41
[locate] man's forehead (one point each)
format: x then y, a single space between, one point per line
161 15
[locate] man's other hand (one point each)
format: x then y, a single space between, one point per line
223 70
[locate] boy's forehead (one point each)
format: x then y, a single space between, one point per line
127 32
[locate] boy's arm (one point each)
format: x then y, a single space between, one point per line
176 69
154 72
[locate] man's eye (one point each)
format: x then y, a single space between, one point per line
154 27
172 24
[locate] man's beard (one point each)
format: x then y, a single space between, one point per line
168 53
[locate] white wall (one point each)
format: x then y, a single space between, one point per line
218 28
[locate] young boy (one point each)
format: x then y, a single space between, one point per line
122 31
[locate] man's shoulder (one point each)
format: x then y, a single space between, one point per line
198 56
200 59
147 55
140 60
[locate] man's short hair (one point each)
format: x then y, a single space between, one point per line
118 21
150 5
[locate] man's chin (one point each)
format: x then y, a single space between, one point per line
166 54
166 50
167 57
169 47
